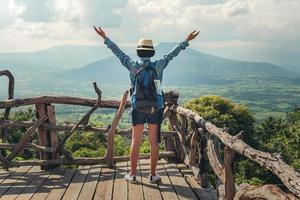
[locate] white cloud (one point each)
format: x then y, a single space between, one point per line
231 44
230 22
7 11
266 20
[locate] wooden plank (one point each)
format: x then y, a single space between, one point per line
181 187
4 174
135 191
47 186
90 183
76 184
105 185
21 183
165 186
10 181
151 191
202 193
120 190
31 188
59 189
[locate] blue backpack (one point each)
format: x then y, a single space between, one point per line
144 90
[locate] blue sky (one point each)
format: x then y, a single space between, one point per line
258 30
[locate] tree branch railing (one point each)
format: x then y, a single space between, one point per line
11 86
207 132
82 125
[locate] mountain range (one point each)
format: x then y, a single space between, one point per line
190 67
88 63
56 58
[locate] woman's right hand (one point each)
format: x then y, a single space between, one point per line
192 35
100 32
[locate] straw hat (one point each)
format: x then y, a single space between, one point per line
145 44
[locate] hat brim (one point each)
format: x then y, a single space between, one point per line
143 48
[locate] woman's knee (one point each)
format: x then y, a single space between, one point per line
136 142
153 142
137 134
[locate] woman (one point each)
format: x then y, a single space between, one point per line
139 115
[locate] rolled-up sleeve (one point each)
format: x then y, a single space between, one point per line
162 63
124 58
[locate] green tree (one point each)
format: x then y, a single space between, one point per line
224 113
274 135
281 136
235 118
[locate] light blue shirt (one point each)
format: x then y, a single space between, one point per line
134 65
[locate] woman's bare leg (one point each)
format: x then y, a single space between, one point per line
153 140
137 135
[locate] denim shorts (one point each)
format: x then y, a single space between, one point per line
138 117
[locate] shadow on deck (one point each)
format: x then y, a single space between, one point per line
100 182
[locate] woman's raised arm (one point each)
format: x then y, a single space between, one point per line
163 62
124 58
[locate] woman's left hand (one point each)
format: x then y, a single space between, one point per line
100 32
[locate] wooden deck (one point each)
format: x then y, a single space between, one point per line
99 182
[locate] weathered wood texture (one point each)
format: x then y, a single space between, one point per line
262 192
52 133
229 178
169 96
214 159
41 111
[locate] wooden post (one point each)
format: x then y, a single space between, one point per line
176 143
229 178
47 138
169 144
203 161
193 148
11 86
53 133
109 155
40 112
168 141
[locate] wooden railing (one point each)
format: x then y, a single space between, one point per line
191 140
52 150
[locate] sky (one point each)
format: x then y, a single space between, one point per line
256 30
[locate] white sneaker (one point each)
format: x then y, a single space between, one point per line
154 179
130 178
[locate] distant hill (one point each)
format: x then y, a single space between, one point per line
53 59
190 67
